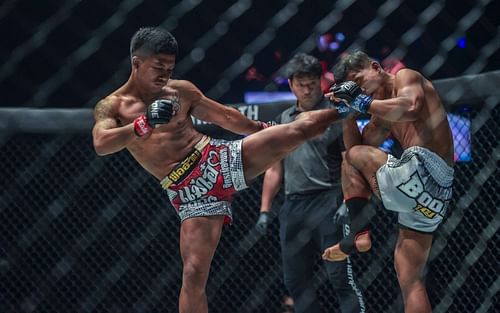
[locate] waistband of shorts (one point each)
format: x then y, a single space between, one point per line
185 166
437 167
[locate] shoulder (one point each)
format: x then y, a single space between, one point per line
179 84
184 88
107 107
110 100
407 76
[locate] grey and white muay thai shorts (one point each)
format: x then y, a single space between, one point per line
418 186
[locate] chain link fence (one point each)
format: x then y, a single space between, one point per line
82 233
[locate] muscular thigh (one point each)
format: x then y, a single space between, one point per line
367 160
263 149
199 238
411 253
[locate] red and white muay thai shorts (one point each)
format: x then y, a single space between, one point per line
203 184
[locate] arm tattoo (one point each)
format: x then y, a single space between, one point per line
104 114
103 110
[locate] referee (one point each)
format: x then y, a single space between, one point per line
309 221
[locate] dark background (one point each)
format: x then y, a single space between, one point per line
72 53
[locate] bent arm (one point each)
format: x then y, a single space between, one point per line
107 136
376 131
208 110
271 186
350 132
408 101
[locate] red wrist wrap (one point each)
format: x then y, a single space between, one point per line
263 125
141 126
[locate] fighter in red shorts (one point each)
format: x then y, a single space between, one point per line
204 183
150 116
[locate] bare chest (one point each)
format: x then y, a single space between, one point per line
128 113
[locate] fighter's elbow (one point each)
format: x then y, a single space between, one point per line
100 147
100 152
413 111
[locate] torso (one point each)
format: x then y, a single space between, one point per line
431 130
169 143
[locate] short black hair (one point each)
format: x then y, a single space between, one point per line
149 41
353 62
303 65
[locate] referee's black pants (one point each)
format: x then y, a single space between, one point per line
308 226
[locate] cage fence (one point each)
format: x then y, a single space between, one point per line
82 233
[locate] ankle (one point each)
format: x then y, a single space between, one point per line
363 241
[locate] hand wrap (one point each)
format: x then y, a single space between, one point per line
264 125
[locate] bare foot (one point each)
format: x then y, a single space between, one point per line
334 254
363 243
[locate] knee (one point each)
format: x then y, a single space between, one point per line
194 276
354 154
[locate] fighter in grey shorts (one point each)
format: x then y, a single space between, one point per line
418 186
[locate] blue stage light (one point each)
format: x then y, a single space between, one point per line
340 36
461 42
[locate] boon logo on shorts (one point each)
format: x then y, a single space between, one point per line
426 204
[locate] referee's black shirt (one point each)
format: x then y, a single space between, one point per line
314 165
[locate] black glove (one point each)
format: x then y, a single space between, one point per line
161 111
352 93
158 112
263 222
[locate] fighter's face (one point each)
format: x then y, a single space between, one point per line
307 89
370 80
155 71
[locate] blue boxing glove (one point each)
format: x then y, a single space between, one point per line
351 92
343 109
